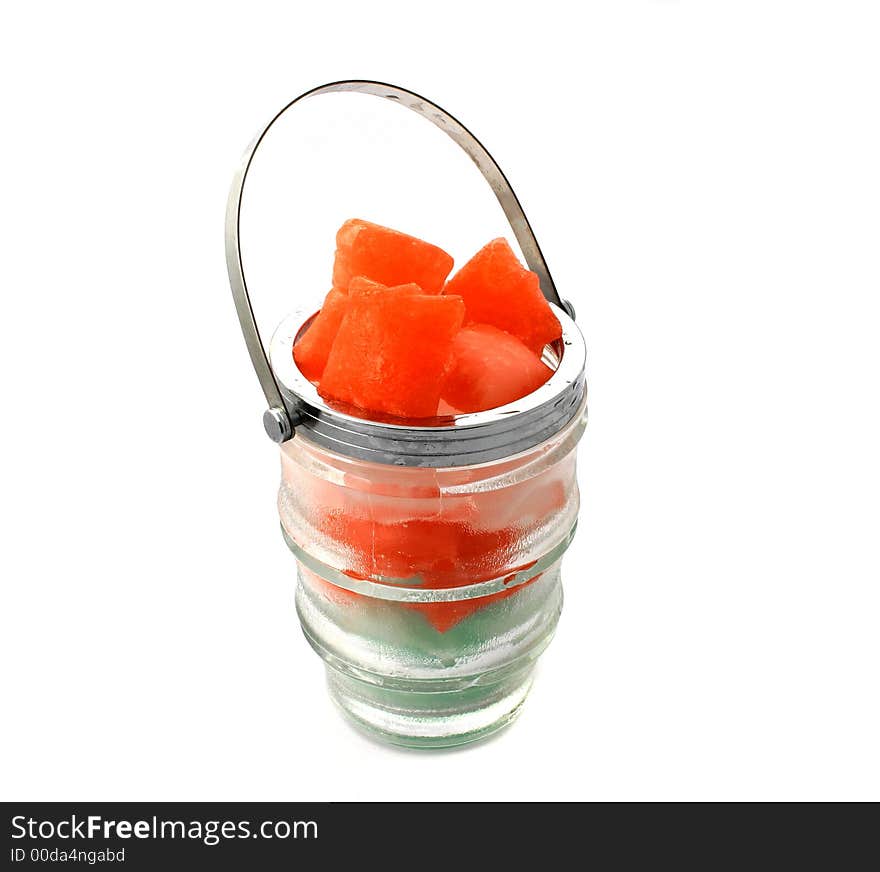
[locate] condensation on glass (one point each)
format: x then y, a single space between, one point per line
430 593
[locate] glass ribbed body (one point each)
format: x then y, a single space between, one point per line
429 593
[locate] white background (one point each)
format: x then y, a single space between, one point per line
703 178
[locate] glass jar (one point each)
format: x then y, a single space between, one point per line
430 592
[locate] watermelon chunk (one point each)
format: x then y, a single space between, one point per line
387 256
489 368
362 286
444 616
498 290
391 351
441 554
478 556
313 348
425 540
446 409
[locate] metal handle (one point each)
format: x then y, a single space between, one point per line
280 418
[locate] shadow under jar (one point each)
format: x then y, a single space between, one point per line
429 557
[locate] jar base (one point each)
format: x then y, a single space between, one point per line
421 718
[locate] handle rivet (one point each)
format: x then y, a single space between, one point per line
277 424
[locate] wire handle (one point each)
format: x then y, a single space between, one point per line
280 419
